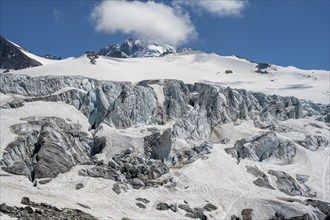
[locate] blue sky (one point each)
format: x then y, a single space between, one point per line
287 33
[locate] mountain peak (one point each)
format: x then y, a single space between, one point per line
138 48
13 56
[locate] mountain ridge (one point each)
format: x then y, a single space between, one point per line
12 57
131 48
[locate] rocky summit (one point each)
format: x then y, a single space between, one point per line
12 56
87 147
139 48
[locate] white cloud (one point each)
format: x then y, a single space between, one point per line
58 15
218 8
144 19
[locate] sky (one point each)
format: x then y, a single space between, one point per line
282 32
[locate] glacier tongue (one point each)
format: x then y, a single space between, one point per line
152 134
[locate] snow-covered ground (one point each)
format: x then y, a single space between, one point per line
192 67
218 179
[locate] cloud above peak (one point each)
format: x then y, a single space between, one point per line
144 19
155 20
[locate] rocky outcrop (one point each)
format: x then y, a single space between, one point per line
289 185
137 48
12 57
313 142
262 180
34 210
158 146
46 147
321 205
263 147
129 167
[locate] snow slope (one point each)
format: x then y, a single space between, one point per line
41 60
228 185
192 67
219 179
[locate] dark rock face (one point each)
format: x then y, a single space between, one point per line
302 178
321 205
210 207
129 167
140 205
314 142
261 68
262 147
144 200
11 57
79 186
137 48
43 211
247 214
289 185
262 180
162 206
158 146
46 147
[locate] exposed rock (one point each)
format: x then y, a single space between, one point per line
44 181
45 147
140 205
261 68
321 205
279 215
314 142
28 209
138 48
186 208
262 180
247 214
174 207
210 207
302 178
12 56
84 206
79 186
136 183
162 206
224 141
6 208
128 167
145 201
158 146
203 148
43 211
263 147
303 217
234 217
116 188
199 213
13 104
289 185
25 201
191 215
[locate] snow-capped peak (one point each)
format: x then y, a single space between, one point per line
138 48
